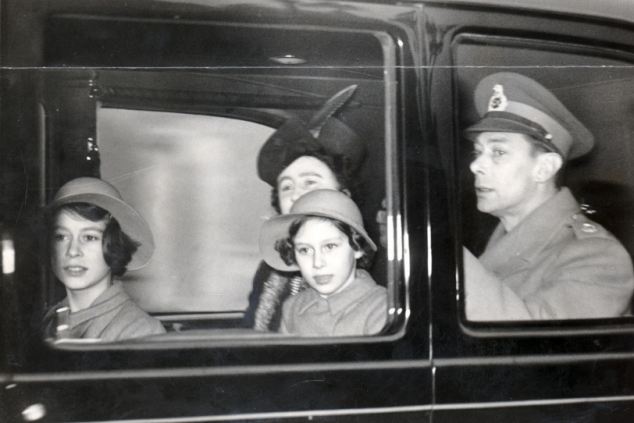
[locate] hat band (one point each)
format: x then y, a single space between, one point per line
539 134
552 132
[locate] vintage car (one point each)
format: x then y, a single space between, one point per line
170 100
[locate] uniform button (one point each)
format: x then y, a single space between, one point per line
588 228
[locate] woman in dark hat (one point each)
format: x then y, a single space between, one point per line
296 159
94 237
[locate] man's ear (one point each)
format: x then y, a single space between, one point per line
358 254
547 166
346 191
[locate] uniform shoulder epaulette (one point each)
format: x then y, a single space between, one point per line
583 227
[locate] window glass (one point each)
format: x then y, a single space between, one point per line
560 257
193 178
183 148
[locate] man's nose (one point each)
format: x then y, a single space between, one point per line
477 165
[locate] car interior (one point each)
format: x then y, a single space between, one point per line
182 143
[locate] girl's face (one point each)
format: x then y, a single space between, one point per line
77 259
305 174
324 256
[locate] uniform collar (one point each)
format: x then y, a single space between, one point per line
511 250
340 301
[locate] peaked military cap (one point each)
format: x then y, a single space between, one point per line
510 102
323 134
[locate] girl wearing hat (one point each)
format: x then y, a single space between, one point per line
296 159
323 237
94 236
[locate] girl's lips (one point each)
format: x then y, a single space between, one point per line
75 270
323 279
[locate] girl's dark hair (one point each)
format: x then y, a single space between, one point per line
337 164
118 247
286 246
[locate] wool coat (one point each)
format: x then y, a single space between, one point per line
555 264
113 316
359 309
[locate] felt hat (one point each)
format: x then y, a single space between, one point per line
510 102
321 203
322 134
100 193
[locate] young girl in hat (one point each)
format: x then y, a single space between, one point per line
298 158
94 236
323 237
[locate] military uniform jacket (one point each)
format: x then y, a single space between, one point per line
113 316
555 264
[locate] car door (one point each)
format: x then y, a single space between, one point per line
527 371
100 90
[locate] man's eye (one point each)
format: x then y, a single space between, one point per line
59 237
310 182
285 188
91 237
497 152
476 153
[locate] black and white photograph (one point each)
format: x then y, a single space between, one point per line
317 210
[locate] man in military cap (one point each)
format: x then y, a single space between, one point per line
545 259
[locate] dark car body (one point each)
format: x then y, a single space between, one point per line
431 364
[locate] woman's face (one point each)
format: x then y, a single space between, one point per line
305 174
324 256
78 260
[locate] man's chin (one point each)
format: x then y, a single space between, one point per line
485 207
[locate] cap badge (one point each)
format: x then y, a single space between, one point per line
498 101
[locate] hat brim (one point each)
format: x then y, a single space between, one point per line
131 222
277 228
497 124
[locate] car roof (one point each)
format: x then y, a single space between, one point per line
622 10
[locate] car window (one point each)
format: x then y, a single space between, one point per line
182 145
193 178
543 275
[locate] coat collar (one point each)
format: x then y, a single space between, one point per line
342 300
111 298
510 251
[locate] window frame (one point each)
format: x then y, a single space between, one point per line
398 256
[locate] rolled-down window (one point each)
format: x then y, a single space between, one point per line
545 167
209 157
